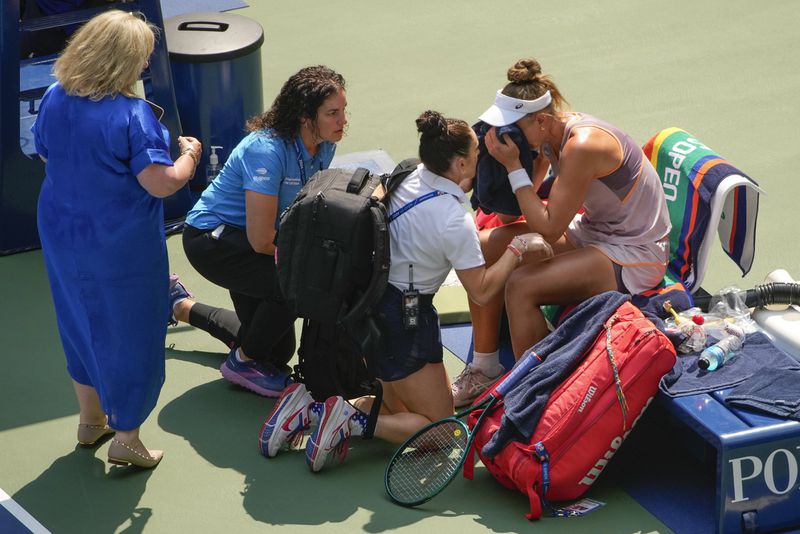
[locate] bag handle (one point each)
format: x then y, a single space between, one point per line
358 180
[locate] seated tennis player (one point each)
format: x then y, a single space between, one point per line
620 241
431 233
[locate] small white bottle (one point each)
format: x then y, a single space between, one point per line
213 167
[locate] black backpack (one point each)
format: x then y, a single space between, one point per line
333 267
333 247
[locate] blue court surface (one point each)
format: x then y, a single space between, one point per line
722 70
15 520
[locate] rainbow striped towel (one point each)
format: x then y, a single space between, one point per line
705 194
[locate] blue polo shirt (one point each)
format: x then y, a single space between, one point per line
261 162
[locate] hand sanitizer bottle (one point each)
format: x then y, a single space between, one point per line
213 167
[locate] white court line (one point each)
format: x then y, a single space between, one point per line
22 516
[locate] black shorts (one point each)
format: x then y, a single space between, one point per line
405 352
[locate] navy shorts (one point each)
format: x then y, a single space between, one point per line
405 352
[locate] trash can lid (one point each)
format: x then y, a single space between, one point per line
211 37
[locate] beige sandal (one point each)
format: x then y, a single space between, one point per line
120 453
89 435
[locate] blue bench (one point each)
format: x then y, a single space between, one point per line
757 462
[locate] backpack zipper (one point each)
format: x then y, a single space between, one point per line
318 199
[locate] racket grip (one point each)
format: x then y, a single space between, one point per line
529 360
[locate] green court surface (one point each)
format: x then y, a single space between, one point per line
726 71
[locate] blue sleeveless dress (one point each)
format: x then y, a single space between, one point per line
104 248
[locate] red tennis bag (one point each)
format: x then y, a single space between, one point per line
586 418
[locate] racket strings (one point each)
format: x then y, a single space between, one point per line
427 463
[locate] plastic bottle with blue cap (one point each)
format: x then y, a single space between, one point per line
717 355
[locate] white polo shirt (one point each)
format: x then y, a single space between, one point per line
435 235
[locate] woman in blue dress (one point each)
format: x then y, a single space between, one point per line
100 219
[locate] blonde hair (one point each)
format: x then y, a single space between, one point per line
106 56
526 82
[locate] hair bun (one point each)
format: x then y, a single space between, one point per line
524 70
431 123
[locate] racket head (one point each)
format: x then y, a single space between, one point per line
427 462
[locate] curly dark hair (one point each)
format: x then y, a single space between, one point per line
300 97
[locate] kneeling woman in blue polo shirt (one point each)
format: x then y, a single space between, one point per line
230 231
431 233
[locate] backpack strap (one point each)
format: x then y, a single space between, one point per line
368 337
392 180
380 236
380 273
374 411
370 346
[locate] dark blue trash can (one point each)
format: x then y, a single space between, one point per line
216 71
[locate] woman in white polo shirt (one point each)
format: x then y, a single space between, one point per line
431 233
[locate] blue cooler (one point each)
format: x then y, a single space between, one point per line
216 71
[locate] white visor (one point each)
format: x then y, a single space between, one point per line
508 110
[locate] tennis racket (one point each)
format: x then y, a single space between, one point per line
429 460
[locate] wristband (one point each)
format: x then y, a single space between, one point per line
519 179
523 248
515 251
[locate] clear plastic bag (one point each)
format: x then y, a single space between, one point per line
693 337
728 307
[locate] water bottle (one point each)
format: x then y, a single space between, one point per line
213 168
717 355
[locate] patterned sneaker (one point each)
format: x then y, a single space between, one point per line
263 379
469 384
177 293
332 434
287 421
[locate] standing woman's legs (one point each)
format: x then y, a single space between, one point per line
92 420
91 412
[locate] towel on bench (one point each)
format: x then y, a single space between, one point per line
704 193
773 391
756 355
